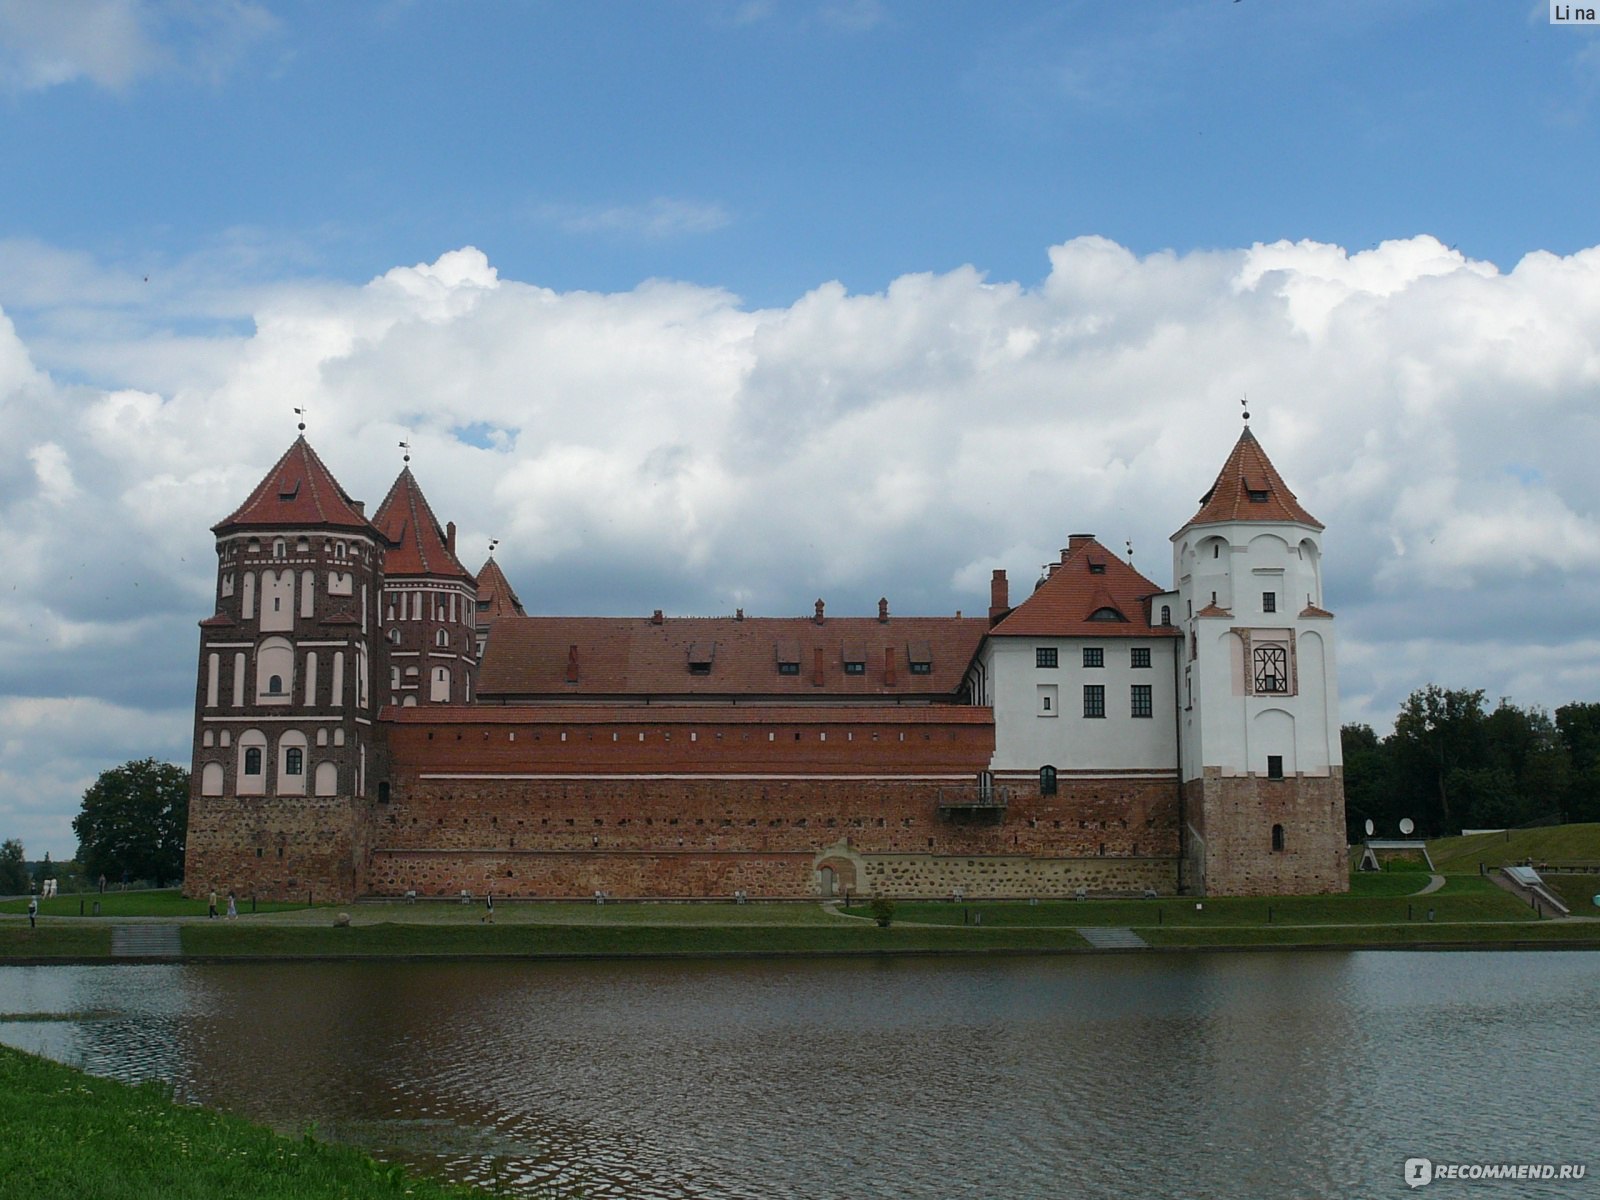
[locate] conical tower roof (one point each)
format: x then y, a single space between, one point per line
1090 593
495 595
299 492
1249 488
417 543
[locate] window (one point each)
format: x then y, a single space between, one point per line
1094 656
1094 700
1257 495
1142 706
1269 602
1047 781
1139 656
1277 837
1045 656
855 668
1045 703
1271 669
483 606
441 639
1275 768
275 685
922 668
788 668
1166 614
294 761
277 548
252 761
1096 567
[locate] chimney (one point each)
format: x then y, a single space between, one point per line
1076 542
655 617
883 608
888 665
572 664
360 506
818 617
999 596
738 614
816 674
450 536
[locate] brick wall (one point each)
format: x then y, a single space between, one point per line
275 848
1234 815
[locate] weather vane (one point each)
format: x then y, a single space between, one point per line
406 446
1244 403
301 413
493 542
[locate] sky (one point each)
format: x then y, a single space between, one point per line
705 304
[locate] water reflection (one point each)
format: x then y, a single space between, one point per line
1268 1074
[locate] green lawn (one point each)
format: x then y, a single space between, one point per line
53 941
1552 844
163 902
69 1136
1578 891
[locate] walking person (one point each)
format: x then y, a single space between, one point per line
33 912
233 909
211 905
488 905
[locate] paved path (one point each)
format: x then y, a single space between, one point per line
1435 882
146 941
1106 937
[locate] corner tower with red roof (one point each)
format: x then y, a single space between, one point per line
285 716
1263 790
429 603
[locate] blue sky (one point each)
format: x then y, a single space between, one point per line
735 304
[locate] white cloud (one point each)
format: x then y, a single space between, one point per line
114 43
668 447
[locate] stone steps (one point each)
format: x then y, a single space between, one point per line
1104 937
146 941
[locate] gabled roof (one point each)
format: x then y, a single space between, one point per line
528 658
1249 488
1089 580
496 597
299 492
417 545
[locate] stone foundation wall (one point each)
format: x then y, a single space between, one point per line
275 848
1234 815
707 836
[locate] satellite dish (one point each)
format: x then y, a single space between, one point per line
1371 828
1406 826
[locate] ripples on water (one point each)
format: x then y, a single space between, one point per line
1195 1075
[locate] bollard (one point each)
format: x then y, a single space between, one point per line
97 908
1430 914
80 908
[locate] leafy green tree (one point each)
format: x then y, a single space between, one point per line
13 871
1439 731
1368 783
1579 726
133 821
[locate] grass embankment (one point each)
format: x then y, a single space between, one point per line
1553 844
69 1136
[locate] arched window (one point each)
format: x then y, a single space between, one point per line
1277 837
1166 614
1047 781
394 636
252 760
275 685
338 550
277 548
294 761
302 546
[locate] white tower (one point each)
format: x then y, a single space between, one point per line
1263 790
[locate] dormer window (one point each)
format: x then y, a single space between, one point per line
1106 614
855 658
1257 496
920 657
788 655
700 657
1096 567
788 668
855 668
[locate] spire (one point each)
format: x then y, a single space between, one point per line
495 592
1249 488
418 545
298 491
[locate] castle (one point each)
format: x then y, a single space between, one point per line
373 719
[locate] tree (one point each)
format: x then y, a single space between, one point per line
13 871
1439 731
133 822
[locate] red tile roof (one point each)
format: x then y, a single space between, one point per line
689 714
1091 579
1249 488
418 546
495 591
299 492
529 657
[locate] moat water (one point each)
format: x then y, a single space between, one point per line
1213 1075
